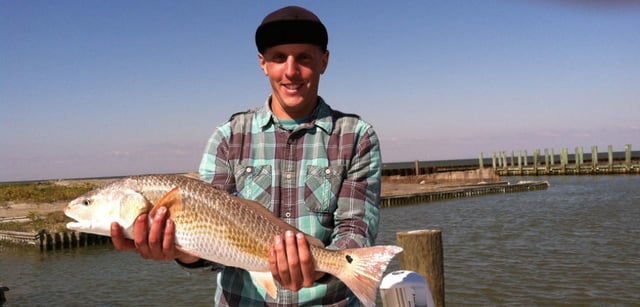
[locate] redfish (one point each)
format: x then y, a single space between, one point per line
214 225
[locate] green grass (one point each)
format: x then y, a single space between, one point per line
52 222
42 192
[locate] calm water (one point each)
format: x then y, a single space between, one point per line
577 243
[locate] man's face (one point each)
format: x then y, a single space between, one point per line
294 73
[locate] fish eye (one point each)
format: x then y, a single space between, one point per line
87 202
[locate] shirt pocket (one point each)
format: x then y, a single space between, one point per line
322 186
254 182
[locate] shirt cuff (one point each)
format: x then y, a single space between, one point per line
201 263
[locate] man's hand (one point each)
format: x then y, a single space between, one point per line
291 262
156 243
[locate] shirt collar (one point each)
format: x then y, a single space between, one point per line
323 118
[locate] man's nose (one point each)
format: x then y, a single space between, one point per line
293 68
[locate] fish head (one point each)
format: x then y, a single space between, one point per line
95 210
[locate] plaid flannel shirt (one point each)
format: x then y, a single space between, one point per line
322 177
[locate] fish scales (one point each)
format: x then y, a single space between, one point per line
243 237
214 225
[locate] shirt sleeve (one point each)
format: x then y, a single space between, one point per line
214 166
357 216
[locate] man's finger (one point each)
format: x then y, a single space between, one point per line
306 261
156 233
140 233
168 243
293 261
119 241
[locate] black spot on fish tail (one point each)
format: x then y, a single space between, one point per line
349 259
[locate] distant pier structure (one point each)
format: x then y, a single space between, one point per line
565 163
538 163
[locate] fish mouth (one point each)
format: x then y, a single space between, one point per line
77 225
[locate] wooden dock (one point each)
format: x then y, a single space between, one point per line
522 163
579 163
53 241
462 192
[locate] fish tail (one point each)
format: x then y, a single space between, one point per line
364 270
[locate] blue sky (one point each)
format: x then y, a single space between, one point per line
108 88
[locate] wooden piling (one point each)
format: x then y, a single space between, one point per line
547 167
594 158
520 162
610 158
493 160
423 254
627 156
536 153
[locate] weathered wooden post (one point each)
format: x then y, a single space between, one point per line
627 157
481 161
48 242
423 254
536 153
546 160
493 161
74 239
512 159
577 160
520 162
562 163
610 158
417 167
82 239
594 158
57 240
66 240
504 161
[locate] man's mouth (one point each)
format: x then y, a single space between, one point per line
292 87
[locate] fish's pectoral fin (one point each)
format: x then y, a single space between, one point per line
172 201
265 280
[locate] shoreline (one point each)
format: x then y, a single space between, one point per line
392 186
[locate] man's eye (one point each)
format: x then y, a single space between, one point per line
278 58
304 57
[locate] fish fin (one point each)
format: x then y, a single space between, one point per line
363 270
265 280
172 201
262 210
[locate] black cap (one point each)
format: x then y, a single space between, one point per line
291 25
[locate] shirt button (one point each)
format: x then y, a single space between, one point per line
288 176
248 169
287 214
327 171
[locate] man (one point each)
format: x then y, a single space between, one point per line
316 168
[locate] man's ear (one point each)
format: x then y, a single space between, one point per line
263 64
325 61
